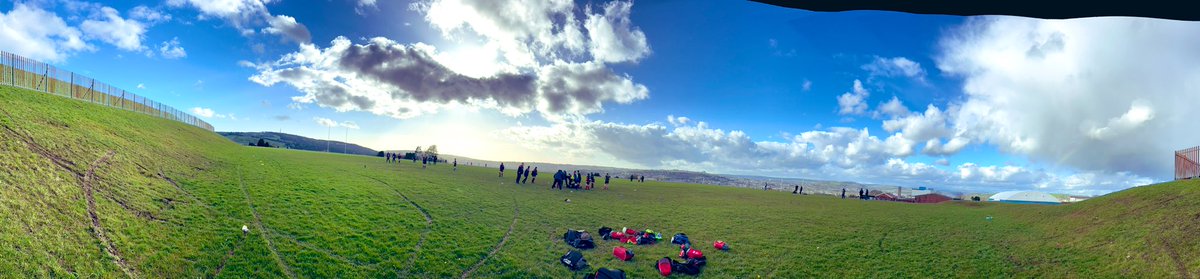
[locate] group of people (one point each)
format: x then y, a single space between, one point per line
425 160
578 180
564 179
523 173
863 194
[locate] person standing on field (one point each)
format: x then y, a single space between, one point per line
534 180
501 170
528 170
520 170
455 164
606 177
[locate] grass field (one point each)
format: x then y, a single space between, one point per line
90 191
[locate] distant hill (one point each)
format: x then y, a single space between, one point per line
291 141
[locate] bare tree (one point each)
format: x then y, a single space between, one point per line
432 150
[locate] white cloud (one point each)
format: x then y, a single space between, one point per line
326 122
895 66
141 86
246 15
39 34
855 101
206 113
364 4
148 15
1103 94
171 49
521 57
349 124
920 127
893 108
613 37
108 26
289 28
807 85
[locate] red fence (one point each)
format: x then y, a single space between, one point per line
31 74
1186 166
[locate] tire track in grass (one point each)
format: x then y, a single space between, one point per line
424 234
323 251
263 231
97 228
85 182
516 214
229 255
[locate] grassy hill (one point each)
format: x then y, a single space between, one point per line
89 191
291 141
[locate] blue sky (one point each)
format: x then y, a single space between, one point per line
984 104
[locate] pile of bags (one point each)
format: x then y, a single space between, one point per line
692 260
630 236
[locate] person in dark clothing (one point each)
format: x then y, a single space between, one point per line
578 179
796 190
801 190
501 170
527 172
520 170
424 162
534 180
606 181
843 193
455 164
557 178
562 178
642 179
631 177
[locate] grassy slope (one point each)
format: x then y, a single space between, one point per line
328 215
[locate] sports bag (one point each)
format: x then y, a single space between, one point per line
573 260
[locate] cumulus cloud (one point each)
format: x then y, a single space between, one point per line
108 26
171 49
349 124
325 122
30 31
533 72
613 37
246 15
895 67
855 101
141 86
289 28
206 113
893 108
1102 94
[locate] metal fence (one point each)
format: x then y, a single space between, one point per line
1186 166
31 74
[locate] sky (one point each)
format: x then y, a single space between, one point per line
971 104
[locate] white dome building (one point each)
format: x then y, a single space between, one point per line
1024 197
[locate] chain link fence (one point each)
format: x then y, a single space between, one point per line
31 74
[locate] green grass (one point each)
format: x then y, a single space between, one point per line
329 215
